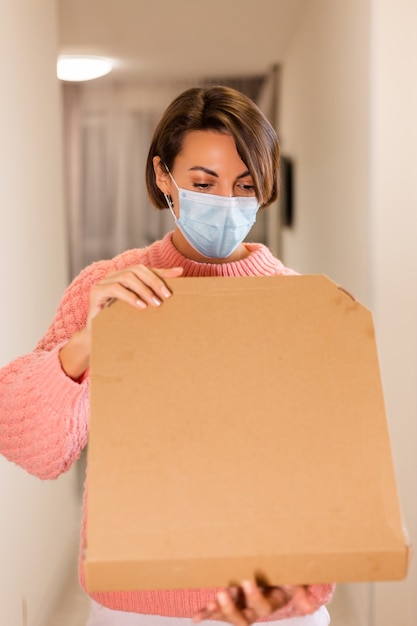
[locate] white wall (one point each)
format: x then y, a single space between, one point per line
348 120
324 128
37 520
394 262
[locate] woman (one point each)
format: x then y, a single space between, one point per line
213 162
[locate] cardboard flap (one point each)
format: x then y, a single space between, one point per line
240 426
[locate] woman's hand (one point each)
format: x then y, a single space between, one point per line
242 605
137 285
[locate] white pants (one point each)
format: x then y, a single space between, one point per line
101 616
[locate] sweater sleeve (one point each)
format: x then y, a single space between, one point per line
43 412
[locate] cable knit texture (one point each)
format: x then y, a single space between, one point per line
44 414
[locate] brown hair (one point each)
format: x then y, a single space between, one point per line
224 110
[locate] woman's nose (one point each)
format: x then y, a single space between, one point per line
225 189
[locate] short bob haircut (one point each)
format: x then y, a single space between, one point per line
224 110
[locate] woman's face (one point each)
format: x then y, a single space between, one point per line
210 163
207 163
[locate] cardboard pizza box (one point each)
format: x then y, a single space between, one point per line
240 427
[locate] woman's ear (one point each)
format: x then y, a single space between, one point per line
161 175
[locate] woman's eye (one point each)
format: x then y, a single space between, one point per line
246 188
201 186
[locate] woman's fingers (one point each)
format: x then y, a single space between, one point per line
262 604
242 605
208 612
137 285
301 598
227 609
231 613
147 284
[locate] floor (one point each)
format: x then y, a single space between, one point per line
73 607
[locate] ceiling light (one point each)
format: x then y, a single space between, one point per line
76 68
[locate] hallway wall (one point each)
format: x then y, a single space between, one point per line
324 128
38 519
394 264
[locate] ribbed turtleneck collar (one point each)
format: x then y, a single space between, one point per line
260 261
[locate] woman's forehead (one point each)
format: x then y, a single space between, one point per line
210 150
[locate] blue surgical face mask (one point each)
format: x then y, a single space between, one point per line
214 225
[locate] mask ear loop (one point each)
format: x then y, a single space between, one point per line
170 204
168 198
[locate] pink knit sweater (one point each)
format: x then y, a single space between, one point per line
44 413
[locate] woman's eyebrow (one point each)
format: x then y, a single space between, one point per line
203 169
213 173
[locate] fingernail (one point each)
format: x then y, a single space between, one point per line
141 304
247 586
156 300
166 292
223 598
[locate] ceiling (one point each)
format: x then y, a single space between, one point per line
180 38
